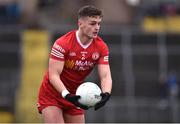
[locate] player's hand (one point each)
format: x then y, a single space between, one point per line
105 98
74 100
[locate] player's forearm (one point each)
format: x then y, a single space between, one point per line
57 83
106 84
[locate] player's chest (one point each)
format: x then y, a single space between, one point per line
81 59
83 55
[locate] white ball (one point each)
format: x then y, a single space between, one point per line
90 93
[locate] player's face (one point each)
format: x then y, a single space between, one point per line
90 26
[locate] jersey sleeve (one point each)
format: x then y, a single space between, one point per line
104 57
58 50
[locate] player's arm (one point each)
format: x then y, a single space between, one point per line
56 65
105 77
55 69
106 84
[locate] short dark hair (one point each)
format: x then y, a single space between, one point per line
89 11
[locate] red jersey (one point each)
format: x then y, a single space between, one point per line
79 59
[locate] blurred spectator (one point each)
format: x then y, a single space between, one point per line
172 84
13 12
160 9
170 9
168 89
10 13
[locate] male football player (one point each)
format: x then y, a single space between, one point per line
72 58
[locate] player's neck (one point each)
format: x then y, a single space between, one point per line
83 38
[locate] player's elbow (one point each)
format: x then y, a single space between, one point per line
53 76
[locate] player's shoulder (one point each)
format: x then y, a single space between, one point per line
100 42
66 37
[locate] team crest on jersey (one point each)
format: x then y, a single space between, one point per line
95 55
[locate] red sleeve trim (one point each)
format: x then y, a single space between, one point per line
56 58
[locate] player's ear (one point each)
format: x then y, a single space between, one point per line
79 22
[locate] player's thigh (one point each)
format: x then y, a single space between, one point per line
52 114
74 118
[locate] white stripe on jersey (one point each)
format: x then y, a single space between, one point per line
57 53
106 58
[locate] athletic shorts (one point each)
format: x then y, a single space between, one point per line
48 96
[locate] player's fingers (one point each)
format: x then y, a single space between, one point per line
75 98
78 97
84 107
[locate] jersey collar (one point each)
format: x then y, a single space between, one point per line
80 43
